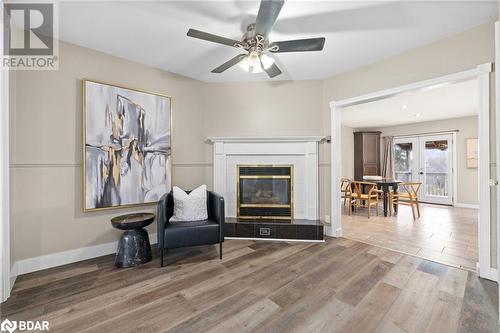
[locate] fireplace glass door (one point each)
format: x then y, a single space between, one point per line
265 192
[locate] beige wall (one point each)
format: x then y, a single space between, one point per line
266 109
46 148
46 159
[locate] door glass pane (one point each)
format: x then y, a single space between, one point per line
436 168
403 161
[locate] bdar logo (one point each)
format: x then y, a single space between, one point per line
8 326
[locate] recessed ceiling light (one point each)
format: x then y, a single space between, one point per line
417 115
404 106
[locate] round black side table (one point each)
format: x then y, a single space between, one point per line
133 248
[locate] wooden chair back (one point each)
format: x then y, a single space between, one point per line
411 188
345 185
359 187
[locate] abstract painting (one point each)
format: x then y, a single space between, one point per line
127 146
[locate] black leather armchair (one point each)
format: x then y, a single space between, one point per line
183 234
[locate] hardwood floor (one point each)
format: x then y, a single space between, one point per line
444 234
337 286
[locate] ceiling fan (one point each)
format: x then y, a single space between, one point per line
255 42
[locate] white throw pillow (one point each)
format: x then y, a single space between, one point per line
190 207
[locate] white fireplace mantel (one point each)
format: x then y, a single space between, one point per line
269 139
301 151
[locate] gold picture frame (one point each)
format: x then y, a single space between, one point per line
85 83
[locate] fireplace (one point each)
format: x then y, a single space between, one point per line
265 192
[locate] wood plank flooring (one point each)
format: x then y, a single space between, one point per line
337 286
444 234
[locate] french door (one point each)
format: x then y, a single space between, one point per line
429 160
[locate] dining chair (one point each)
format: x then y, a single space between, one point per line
345 189
408 197
364 192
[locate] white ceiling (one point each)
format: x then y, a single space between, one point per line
357 33
449 101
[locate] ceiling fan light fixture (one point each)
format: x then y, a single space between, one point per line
254 62
251 63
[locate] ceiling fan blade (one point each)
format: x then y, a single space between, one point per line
228 64
267 16
298 45
273 71
212 38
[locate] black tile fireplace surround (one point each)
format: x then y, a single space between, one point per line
297 229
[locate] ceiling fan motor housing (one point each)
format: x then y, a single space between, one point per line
252 42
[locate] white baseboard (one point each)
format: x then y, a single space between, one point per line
490 274
464 205
13 275
330 231
67 257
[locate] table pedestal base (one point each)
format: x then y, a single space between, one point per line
133 248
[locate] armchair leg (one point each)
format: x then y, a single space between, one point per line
220 250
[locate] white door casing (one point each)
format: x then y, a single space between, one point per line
4 182
497 143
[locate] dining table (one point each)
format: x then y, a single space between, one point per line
386 184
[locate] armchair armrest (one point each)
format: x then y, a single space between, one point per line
216 211
165 210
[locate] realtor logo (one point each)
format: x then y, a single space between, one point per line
24 325
29 36
36 21
8 326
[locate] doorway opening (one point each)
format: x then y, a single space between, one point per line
453 223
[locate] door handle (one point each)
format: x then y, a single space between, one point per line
421 173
